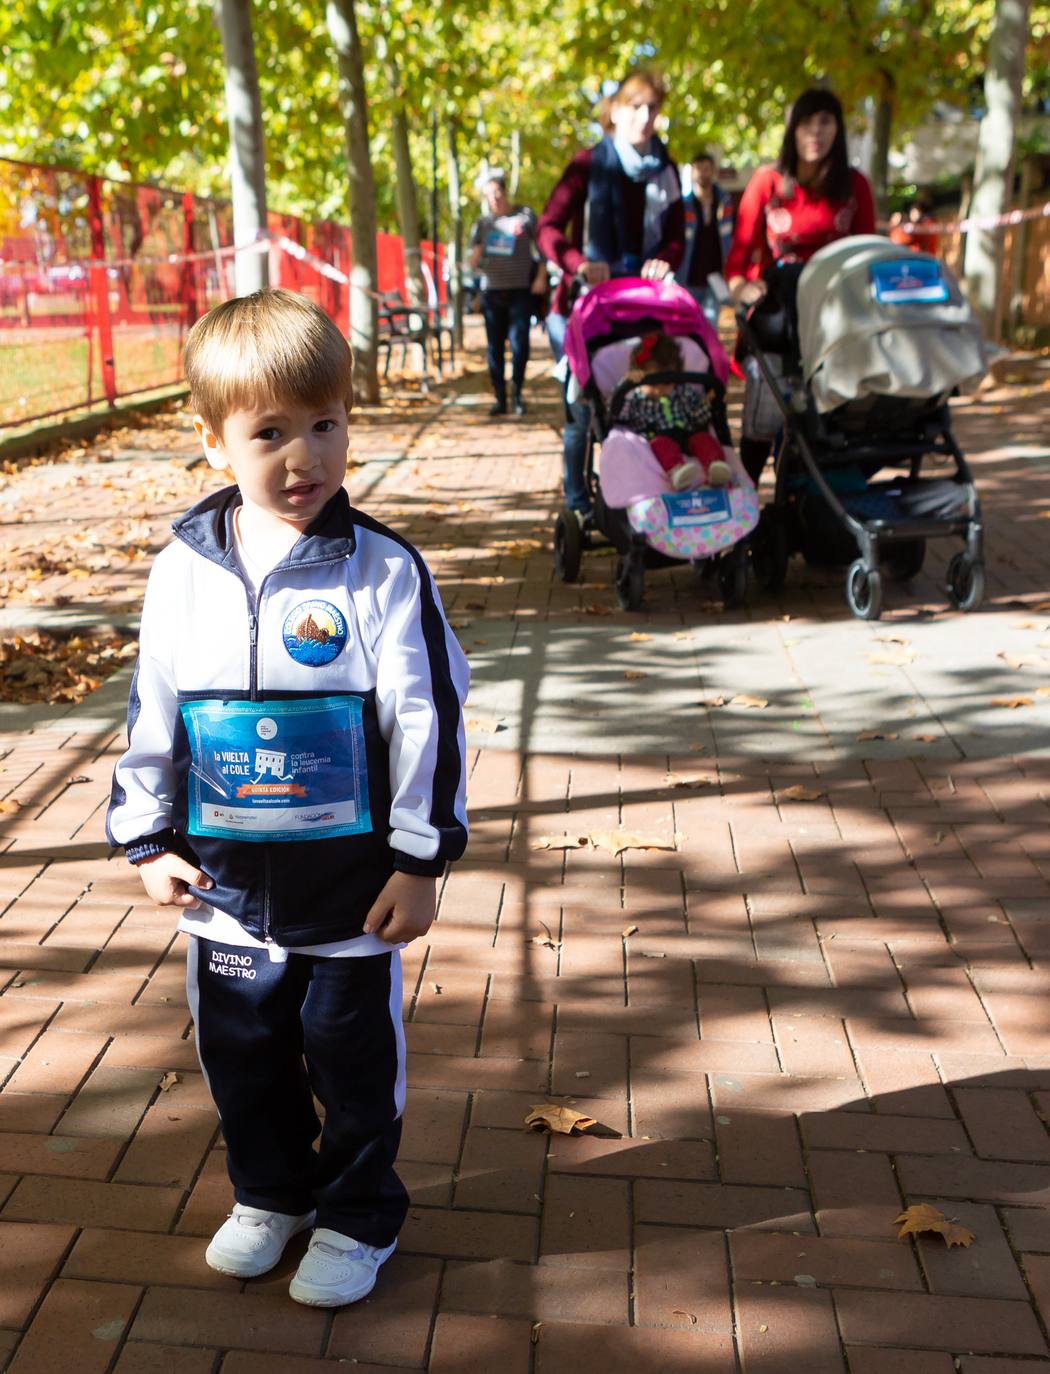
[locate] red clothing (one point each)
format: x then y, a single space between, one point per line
771 227
559 233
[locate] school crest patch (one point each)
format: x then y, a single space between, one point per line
314 633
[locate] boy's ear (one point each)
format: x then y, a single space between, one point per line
211 444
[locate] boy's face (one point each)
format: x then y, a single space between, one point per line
287 459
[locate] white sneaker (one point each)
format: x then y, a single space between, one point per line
718 474
688 473
250 1241
337 1269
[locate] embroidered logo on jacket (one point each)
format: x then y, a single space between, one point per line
314 633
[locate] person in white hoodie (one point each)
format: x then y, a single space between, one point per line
294 785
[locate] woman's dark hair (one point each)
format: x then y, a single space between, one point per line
834 179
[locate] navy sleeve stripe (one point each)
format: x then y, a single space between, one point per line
448 766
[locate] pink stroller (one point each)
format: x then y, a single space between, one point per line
636 508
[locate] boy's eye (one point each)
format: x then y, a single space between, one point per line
324 426
268 433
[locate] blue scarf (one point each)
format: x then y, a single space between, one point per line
612 162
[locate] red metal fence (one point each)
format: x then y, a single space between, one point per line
100 280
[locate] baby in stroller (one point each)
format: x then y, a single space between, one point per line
674 417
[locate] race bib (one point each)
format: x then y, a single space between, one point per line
277 770
903 280
706 506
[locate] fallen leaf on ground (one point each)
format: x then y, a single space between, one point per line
1011 703
629 930
616 841
633 675
553 1119
926 739
486 727
681 1312
1042 691
891 639
713 701
700 780
168 1081
10 805
921 1217
77 777
1021 660
878 734
547 940
896 658
559 842
597 608
636 637
682 634
800 793
753 703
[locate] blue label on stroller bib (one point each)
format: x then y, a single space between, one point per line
903 280
708 506
277 770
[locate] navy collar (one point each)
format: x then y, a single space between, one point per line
208 529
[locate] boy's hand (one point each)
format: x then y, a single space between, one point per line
404 909
167 878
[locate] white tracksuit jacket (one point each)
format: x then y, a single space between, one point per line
303 745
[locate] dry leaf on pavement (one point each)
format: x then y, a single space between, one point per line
616 841
634 675
1011 703
9 805
754 703
921 1217
168 1081
896 658
553 1119
878 734
636 637
597 608
926 739
800 793
559 842
1022 660
483 726
699 780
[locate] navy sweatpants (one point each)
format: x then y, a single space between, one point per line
271 1037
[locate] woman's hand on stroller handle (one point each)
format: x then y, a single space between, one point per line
656 269
592 273
746 293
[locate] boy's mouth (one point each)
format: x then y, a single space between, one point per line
302 492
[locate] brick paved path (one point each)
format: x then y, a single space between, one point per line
828 1008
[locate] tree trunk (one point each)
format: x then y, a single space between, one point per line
455 238
880 148
364 274
1019 258
407 202
247 152
515 162
996 140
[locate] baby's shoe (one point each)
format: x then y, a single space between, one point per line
250 1241
718 473
686 475
337 1269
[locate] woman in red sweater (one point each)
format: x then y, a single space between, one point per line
616 212
808 198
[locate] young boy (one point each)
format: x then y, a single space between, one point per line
294 783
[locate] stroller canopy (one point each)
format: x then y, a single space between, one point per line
876 319
629 305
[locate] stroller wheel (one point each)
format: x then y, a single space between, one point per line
568 545
732 578
904 561
864 591
630 583
965 582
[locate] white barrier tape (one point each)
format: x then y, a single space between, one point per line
964 226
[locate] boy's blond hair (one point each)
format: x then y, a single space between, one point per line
262 349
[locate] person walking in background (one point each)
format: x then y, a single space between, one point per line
503 248
808 198
918 216
615 212
706 208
